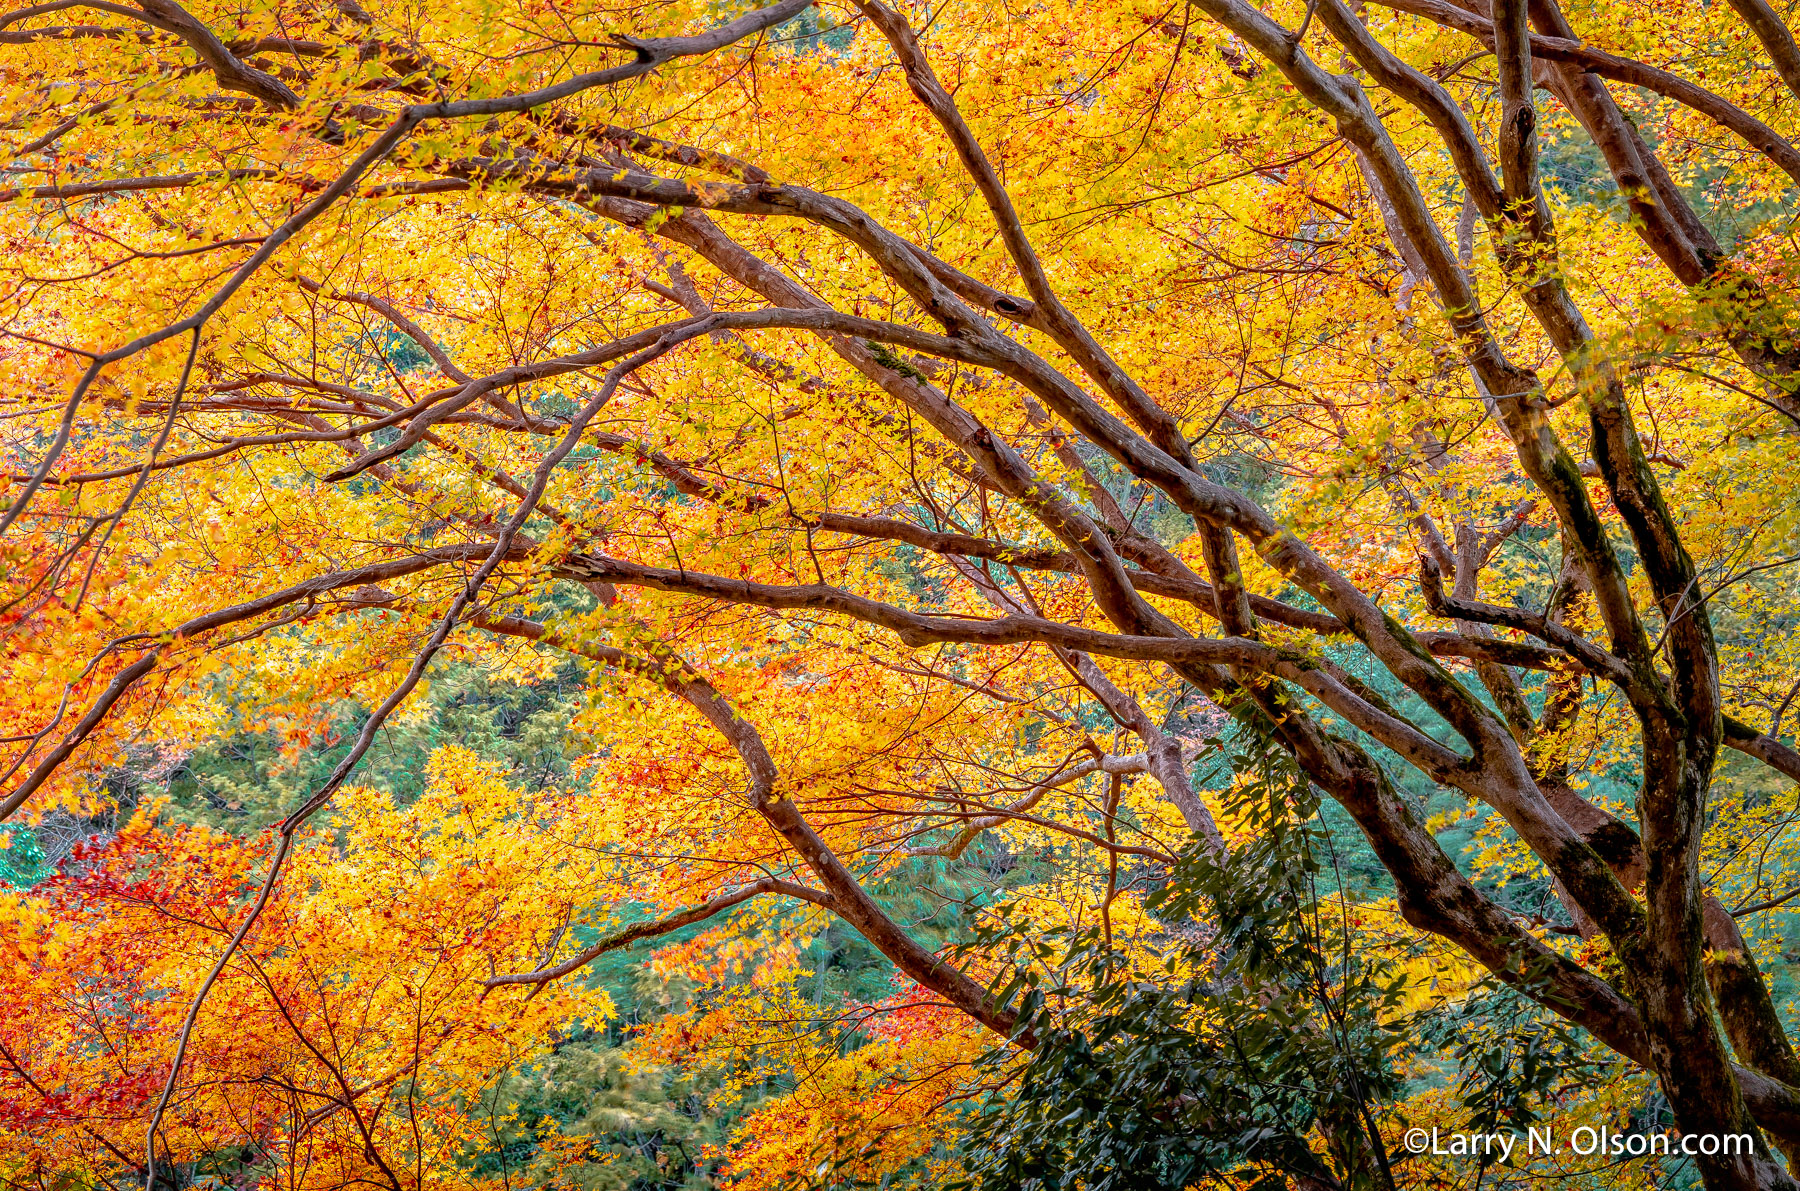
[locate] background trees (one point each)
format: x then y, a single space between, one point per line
868 452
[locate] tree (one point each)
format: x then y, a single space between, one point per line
342 1045
887 409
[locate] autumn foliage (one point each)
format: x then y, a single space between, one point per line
687 594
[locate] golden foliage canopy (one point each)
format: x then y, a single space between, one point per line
922 431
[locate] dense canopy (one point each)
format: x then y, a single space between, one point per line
689 594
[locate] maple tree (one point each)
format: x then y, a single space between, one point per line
924 434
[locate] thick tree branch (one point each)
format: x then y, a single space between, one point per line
1624 70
